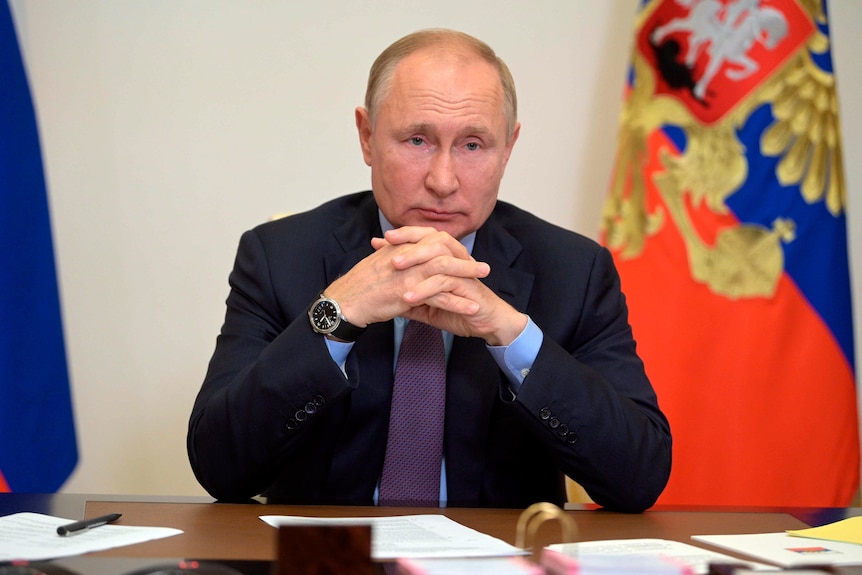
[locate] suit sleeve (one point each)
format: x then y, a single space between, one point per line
269 380
588 398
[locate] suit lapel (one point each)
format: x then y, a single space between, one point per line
495 245
352 240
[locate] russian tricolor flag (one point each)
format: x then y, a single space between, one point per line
727 220
38 450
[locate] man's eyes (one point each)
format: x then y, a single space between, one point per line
420 141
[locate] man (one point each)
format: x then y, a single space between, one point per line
542 378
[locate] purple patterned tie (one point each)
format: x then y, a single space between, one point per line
414 450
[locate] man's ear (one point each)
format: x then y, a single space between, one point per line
511 143
363 126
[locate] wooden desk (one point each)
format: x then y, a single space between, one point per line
233 531
234 534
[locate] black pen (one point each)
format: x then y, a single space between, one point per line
80 526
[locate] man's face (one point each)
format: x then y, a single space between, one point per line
439 145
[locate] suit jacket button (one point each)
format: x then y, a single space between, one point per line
545 413
318 400
554 423
310 408
563 430
572 438
300 415
290 425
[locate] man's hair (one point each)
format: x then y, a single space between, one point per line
380 76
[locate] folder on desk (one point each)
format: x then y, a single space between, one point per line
787 550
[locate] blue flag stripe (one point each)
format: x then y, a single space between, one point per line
38 448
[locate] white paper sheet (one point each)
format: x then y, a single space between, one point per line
695 557
33 537
787 550
414 536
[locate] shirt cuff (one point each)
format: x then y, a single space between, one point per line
339 350
516 359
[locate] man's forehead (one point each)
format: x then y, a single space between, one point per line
462 114
435 64
451 82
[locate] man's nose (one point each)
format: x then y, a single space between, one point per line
442 178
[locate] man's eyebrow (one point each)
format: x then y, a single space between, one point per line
476 129
424 128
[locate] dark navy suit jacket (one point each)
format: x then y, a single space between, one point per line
276 416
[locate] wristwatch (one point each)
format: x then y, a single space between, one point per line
326 318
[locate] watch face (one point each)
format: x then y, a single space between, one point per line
325 316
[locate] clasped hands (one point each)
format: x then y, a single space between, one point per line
422 274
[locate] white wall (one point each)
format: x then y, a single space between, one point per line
171 126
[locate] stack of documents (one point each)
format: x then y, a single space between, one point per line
471 566
556 563
656 555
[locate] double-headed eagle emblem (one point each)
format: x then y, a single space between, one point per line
701 68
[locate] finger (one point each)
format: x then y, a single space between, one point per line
408 234
428 249
404 235
429 290
422 235
379 243
446 302
450 266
